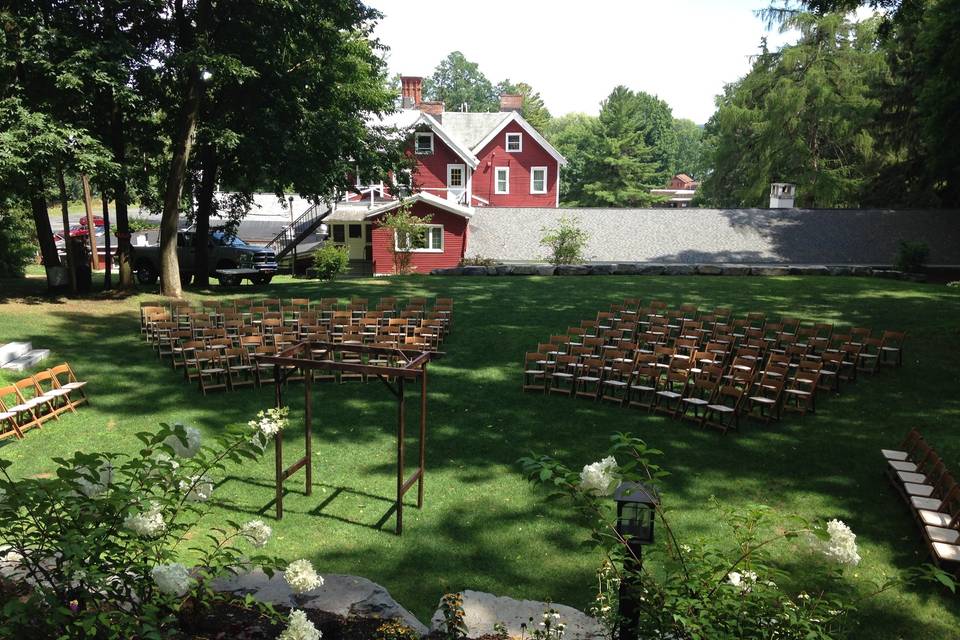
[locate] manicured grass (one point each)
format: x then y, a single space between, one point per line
483 527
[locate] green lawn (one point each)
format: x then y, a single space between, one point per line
483 527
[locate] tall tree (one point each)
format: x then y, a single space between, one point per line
689 157
457 82
573 136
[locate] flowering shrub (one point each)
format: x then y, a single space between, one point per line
96 550
688 591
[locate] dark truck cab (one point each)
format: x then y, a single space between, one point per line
224 252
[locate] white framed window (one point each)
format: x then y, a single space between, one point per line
538 180
423 144
501 180
514 142
430 241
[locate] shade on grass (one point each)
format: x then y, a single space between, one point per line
483 527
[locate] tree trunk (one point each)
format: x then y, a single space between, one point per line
208 184
48 247
182 144
91 225
67 240
118 145
108 266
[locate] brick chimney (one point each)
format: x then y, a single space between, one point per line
434 108
511 102
411 91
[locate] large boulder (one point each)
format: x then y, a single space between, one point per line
679 270
652 270
770 271
572 270
840 270
735 270
627 269
524 270
545 270
861 271
449 271
810 270
709 269
483 610
340 595
602 269
500 270
473 271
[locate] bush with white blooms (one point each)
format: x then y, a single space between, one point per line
733 590
99 546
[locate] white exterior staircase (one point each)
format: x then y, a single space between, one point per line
18 356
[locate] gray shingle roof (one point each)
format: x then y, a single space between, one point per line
795 236
470 128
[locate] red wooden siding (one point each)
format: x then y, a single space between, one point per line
431 172
454 242
533 155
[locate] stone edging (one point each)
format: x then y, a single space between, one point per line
634 269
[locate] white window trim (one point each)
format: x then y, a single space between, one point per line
496 181
416 146
533 170
396 242
506 142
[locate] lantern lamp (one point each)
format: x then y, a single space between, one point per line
636 512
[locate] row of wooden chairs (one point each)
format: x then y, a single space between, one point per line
34 400
929 489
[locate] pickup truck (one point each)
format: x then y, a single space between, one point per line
224 252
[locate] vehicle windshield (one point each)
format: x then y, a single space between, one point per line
222 239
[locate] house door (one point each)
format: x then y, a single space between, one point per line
356 240
456 183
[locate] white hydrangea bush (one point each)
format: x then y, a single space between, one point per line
105 540
302 577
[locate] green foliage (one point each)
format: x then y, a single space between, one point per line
477 261
566 241
330 260
17 241
728 590
408 233
457 81
911 256
95 536
573 136
454 626
533 109
690 157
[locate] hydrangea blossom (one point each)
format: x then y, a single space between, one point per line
299 628
842 545
302 577
257 533
193 442
743 581
93 489
271 422
198 488
172 579
599 477
146 523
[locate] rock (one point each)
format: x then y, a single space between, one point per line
572 270
545 270
890 274
840 271
602 269
449 271
627 269
473 271
678 270
709 269
341 595
524 270
809 270
861 271
500 270
914 277
769 271
483 610
652 270
735 270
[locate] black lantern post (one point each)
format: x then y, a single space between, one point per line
636 512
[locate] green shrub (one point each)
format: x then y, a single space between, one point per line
911 256
330 260
409 233
566 242
17 244
478 261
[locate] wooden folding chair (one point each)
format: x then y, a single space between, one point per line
534 376
589 377
240 371
58 398
891 348
906 449
724 412
700 392
31 394
213 371
9 417
673 385
65 378
767 396
646 381
563 377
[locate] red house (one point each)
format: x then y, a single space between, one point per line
463 160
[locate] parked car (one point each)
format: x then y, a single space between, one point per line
224 251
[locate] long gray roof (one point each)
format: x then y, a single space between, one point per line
470 128
795 236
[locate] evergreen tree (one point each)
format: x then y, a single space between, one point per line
456 82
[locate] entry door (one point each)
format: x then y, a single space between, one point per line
456 182
356 240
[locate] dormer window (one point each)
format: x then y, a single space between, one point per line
514 142
424 144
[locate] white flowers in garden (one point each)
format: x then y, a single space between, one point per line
600 477
173 579
302 577
198 488
299 628
842 545
192 446
146 523
743 581
271 422
256 532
